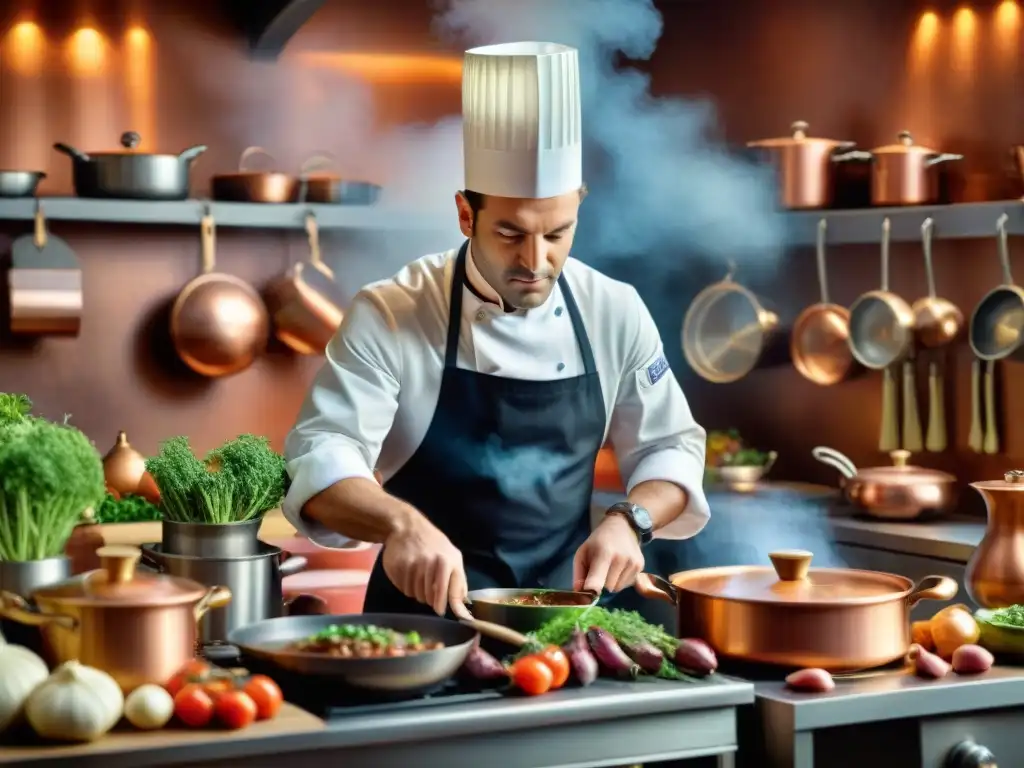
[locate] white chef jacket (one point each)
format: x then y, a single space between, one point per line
372 402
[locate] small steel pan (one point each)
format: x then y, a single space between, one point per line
415 675
489 605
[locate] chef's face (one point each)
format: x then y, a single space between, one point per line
520 245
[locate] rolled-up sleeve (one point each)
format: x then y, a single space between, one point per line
346 415
653 431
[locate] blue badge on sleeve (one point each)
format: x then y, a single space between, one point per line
657 369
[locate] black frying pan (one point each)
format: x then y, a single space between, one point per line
265 642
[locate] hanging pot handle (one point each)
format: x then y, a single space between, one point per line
292 564
16 609
215 597
933 588
1004 249
838 461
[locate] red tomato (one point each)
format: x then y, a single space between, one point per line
217 687
236 710
192 672
556 660
265 694
531 675
193 706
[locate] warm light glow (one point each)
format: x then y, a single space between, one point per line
87 52
965 42
1006 33
139 77
388 68
24 49
923 42
1008 16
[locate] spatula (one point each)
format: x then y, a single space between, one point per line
45 284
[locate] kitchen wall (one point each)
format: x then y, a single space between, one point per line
854 69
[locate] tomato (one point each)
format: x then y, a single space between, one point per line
531 675
218 686
193 706
236 710
194 671
556 660
265 694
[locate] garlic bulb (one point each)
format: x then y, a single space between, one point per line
76 703
21 672
149 707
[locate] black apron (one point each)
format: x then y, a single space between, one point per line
505 471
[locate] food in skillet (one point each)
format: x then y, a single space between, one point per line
542 599
364 641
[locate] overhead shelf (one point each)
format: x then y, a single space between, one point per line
959 221
187 213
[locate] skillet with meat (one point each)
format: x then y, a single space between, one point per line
364 641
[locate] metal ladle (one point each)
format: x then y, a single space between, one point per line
937 322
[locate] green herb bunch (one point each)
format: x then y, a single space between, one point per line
127 509
50 474
241 480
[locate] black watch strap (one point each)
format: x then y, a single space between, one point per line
639 519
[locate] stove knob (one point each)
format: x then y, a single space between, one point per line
968 754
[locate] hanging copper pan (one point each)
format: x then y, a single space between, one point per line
791 615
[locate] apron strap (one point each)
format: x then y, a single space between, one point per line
451 352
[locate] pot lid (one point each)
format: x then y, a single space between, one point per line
798 135
1012 481
119 583
792 580
904 145
901 473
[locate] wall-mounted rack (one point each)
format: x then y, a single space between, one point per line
188 213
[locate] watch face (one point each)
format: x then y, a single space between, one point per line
642 518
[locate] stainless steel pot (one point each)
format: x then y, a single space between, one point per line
254 581
131 175
20 183
22 579
218 540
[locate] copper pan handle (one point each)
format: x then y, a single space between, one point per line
933 588
14 608
215 597
497 632
656 588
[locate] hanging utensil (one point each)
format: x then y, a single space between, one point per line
889 437
249 186
913 440
819 344
726 331
991 443
976 437
45 284
304 318
219 324
881 322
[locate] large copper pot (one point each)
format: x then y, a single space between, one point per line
793 616
139 628
903 173
899 492
995 572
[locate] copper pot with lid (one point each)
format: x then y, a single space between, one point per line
903 173
897 492
138 627
791 615
804 165
995 572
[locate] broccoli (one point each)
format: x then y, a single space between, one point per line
50 474
241 480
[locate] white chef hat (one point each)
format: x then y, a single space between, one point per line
521 120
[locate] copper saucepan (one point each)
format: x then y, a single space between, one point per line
726 331
251 186
903 173
819 343
139 628
898 492
219 323
791 615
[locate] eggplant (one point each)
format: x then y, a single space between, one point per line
695 656
481 666
581 659
609 654
646 656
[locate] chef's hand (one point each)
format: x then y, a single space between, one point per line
609 559
424 565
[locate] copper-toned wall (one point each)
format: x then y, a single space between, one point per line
855 69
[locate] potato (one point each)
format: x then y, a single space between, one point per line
972 660
921 634
811 681
927 664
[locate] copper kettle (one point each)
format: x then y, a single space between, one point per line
995 572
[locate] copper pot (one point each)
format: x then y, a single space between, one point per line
249 186
995 572
139 628
804 165
899 492
791 615
903 173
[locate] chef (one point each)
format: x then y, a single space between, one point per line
482 382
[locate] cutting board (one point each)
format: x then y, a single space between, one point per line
289 721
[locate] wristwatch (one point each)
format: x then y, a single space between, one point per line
639 519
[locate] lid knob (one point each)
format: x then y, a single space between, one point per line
1014 476
799 129
130 139
119 563
791 564
900 457
905 138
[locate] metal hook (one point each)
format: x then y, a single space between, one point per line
1001 223
207 210
732 270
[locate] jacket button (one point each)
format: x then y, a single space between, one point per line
558 312
561 366
481 316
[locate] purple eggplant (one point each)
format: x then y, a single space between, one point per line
695 656
609 654
584 665
646 656
481 666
